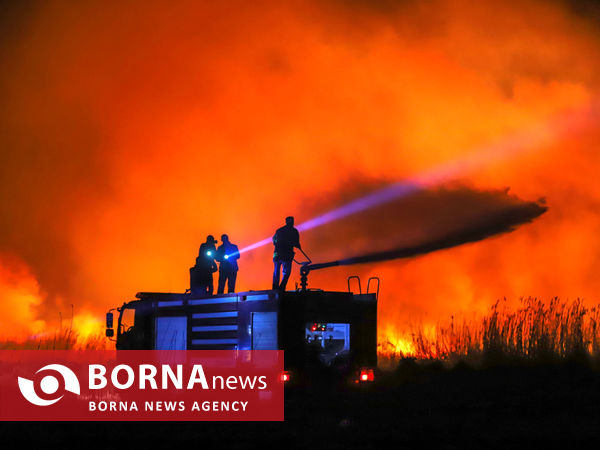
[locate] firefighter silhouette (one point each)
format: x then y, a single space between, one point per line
227 255
201 275
285 240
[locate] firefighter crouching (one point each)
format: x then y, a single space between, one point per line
201 275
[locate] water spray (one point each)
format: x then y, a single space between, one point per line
508 147
500 222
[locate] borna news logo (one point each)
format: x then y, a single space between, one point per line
141 385
49 385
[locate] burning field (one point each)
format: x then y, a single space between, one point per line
448 147
469 131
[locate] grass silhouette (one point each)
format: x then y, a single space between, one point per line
536 331
63 338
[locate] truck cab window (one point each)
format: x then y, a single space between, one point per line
127 319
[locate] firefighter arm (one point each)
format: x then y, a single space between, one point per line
297 240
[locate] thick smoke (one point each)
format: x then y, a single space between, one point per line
129 132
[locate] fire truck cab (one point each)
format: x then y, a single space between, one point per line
333 328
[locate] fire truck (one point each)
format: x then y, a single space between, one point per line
331 329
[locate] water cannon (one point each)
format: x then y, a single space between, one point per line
308 266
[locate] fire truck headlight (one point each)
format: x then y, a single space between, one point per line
209 253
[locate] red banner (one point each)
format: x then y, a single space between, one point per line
141 385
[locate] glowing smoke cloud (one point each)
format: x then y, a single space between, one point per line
499 151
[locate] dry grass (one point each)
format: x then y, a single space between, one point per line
536 331
59 340
63 338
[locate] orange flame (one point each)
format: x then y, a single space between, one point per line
139 131
20 294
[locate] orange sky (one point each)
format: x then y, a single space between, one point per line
129 133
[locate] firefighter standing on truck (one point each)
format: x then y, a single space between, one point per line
285 240
227 255
206 266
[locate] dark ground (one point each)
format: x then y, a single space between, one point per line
499 407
